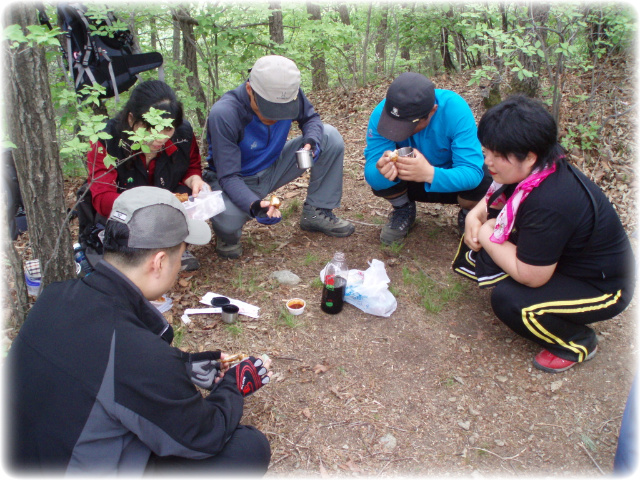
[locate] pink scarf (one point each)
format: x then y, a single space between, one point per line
507 216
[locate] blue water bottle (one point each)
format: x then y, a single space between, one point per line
81 259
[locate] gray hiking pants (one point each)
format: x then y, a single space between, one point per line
324 190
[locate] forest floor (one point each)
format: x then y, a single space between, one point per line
441 387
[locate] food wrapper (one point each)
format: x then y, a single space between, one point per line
206 205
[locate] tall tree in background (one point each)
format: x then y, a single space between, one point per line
538 17
32 128
381 41
319 77
190 60
276 27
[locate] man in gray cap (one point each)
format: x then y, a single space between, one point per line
250 157
447 165
95 386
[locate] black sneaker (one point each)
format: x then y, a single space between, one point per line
401 219
323 220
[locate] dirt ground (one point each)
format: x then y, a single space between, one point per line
440 390
436 389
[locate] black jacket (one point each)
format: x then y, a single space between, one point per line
94 385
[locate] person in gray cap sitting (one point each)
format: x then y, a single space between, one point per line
94 385
447 165
249 155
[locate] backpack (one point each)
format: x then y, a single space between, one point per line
107 60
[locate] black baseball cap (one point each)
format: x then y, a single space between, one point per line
410 97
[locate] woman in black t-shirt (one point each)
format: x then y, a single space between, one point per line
562 256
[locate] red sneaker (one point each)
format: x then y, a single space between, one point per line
549 362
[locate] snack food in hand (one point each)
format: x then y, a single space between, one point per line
237 357
274 201
183 197
393 156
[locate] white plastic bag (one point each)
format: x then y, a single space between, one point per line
369 290
206 205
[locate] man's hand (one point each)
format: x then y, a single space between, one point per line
204 369
386 166
265 213
251 374
415 169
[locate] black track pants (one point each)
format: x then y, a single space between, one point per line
556 314
247 453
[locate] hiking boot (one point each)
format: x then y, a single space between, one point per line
401 219
462 216
189 263
228 250
548 362
323 220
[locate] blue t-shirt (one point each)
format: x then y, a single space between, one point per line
262 145
449 142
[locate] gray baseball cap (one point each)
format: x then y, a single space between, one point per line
275 81
157 219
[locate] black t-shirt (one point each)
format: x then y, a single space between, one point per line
555 224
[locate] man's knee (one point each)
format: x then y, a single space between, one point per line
332 138
256 445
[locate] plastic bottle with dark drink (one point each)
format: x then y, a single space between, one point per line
335 283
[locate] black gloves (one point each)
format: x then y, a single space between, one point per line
250 375
202 368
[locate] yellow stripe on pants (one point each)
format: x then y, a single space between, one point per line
530 314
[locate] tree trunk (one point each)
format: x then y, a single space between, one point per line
276 28
343 11
175 48
319 77
190 61
539 14
444 50
365 47
32 128
381 41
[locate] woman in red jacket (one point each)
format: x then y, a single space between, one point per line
173 162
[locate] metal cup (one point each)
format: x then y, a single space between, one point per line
230 313
406 152
305 159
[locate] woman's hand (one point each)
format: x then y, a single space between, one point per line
195 183
475 219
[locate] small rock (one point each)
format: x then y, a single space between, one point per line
556 385
501 378
286 277
499 443
388 442
464 425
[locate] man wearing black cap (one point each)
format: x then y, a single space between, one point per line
447 165
94 385
250 157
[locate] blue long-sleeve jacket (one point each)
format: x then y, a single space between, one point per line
450 143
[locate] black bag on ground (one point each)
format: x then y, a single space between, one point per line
98 52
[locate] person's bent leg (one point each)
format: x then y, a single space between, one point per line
247 453
324 193
556 314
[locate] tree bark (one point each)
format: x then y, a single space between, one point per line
539 15
176 53
381 41
32 128
276 28
190 61
319 77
